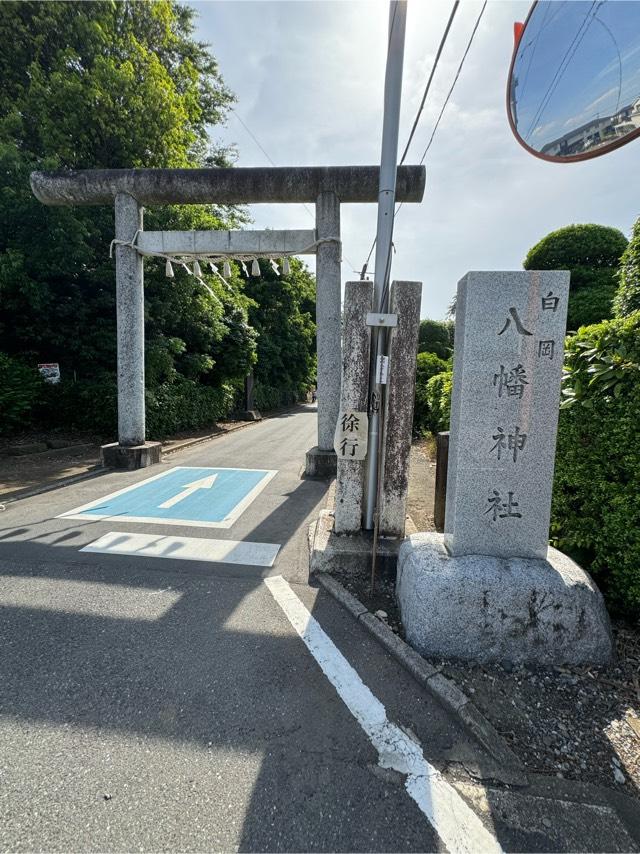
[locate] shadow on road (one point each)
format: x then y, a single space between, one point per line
187 655
191 655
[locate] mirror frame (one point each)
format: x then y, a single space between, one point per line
573 158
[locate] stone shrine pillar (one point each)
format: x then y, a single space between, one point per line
131 451
404 301
130 324
354 397
491 588
504 412
249 413
321 460
337 539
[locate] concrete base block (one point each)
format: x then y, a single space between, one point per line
115 456
517 610
250 415
321 463
348 554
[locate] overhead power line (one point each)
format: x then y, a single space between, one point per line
455 79
257 142
253 136
419 113
431 75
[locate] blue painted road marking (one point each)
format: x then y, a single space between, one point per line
201 497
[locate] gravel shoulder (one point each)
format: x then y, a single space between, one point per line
29 461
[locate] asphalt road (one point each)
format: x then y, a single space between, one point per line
156 704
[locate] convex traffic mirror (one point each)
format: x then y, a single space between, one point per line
574 83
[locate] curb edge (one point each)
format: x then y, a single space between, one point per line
445 690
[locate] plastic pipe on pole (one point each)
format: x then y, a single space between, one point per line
384 237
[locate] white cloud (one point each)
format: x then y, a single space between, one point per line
309 80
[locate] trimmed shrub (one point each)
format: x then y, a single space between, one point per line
591 253
21 388
427 366
436 336
84 405
439 401
596 501
590 305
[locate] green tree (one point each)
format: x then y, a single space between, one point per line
627 298
591 253
436 336
109 85
439 389
283 313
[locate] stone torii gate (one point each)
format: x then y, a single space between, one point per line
130 189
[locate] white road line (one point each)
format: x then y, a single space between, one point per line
456 824
185 548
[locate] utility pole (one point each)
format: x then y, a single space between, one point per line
384 238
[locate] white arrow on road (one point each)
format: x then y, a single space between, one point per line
189 489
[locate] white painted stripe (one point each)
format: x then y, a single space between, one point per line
150 520
454 821
239 509
185 548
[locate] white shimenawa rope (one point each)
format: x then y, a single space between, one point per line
183 258
219 258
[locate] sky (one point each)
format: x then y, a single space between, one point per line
308 76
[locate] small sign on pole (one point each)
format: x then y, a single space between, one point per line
350 442
382 370
50 372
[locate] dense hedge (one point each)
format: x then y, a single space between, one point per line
268 398
439 401
92 406
427 366
85 405
596 500
627 298
590 305
186 405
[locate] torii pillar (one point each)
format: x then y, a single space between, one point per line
321 460
130 189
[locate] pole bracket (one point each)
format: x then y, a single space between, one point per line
381 320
